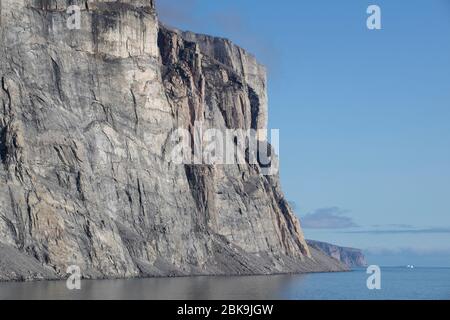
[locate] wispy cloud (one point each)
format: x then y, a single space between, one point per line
433 230
328 218
393 225
407 251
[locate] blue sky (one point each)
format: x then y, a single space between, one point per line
364 115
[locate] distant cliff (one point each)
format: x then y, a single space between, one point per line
86 120
349 256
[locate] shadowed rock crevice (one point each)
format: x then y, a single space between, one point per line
255 106
3 149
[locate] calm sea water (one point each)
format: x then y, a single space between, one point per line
397 283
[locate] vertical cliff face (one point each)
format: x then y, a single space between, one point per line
86 178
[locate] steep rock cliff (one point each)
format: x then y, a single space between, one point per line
351 257
85 174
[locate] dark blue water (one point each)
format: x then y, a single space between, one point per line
396 283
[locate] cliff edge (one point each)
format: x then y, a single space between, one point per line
351 257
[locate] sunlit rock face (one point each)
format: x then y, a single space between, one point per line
86 117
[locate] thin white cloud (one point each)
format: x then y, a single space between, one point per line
433 230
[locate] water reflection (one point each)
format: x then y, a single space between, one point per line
397 283
207 288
